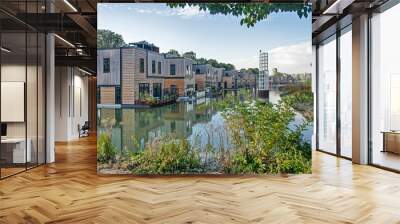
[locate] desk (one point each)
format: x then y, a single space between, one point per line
13 150
391 141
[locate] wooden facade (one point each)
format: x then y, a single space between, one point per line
178 83
107 95
140 71
113 76
228 82
128 68
200 80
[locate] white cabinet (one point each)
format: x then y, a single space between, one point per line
19 155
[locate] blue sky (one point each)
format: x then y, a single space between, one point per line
284 35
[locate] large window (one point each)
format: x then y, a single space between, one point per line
144 90
327 95
117 94
172 69
159 67
106 65
157 90
385 89
153 67
346 93
187 70
334 105
141 62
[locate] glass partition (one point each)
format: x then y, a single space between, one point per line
327 95
13 86
385 89
22 78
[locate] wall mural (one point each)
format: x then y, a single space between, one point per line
204 89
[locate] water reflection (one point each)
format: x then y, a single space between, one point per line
199 122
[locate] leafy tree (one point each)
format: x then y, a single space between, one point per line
212 62
190 55
251 70
109 39
201 61
250 13
227 66
274 71
174 52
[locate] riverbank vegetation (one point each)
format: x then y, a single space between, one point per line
300 97
262 140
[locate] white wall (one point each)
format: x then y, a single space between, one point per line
61 103
71 87
33 125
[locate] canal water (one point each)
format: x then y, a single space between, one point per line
201 124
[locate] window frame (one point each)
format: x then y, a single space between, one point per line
141 65
106 67
153 66
172 69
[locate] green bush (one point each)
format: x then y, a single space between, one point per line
105 149
303 102
263 140
148 99
301 98
167 156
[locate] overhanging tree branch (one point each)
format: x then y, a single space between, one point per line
251 13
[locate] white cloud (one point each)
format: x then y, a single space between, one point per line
291 59
188 12
250 62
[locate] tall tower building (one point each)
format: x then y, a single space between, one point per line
263 77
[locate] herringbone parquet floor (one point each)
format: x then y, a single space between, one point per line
70 191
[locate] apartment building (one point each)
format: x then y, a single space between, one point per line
180 75
229 79
246 79
217 77
208 77
109 76
130 75
201 71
